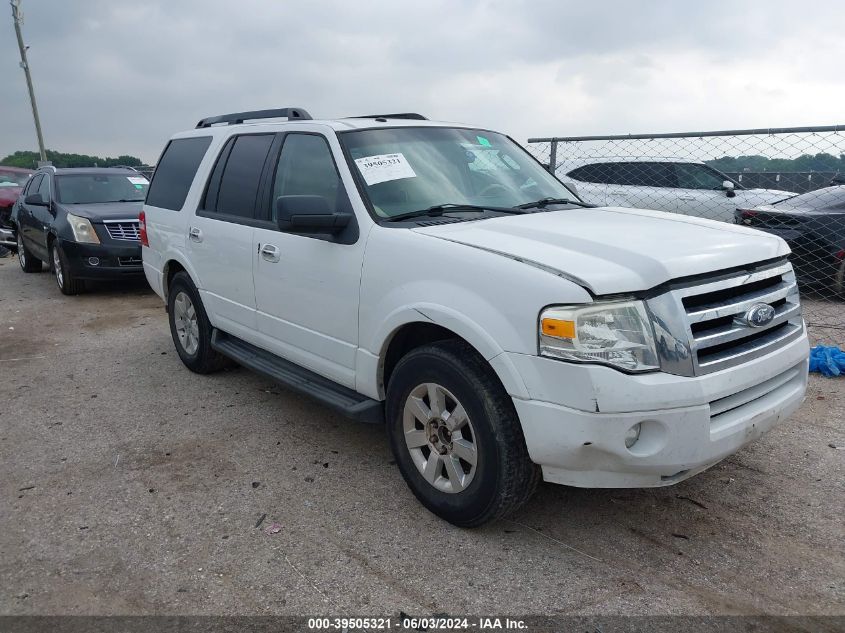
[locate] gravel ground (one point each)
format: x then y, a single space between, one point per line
129 485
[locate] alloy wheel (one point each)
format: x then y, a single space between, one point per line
440 438
57 268
186 323
21 251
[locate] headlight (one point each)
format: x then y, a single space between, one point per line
82 230
618 334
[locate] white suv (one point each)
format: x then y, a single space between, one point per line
665 184
436 279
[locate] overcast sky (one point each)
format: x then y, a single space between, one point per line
119 77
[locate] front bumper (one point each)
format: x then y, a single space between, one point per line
114 261
687 424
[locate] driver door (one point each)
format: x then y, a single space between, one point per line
307 286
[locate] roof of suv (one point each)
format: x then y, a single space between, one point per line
87 170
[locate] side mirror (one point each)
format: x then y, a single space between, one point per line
728 186
35 200
309 214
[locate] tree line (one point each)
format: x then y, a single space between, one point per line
30 160
757 163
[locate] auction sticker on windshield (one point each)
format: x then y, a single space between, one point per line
384 167
137 180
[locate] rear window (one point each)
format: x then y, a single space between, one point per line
175 172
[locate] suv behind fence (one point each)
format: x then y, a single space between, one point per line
785 181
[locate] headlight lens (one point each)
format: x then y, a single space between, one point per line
618 334
82 229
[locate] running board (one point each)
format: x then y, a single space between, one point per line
342 399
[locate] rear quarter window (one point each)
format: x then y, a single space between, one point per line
175 172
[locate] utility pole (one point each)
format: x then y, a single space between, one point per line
18 19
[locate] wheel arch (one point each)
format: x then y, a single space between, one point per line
427 325
172 266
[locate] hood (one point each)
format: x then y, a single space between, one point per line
615 250
106 210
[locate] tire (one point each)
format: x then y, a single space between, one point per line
29 262
190 327
67 283
450 486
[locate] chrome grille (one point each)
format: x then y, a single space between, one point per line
713 332
123 230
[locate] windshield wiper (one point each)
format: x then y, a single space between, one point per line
130 200
438 209
542 203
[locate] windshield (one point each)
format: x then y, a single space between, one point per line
830 198
408 169
94 188
12 179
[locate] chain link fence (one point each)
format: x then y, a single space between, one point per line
787 181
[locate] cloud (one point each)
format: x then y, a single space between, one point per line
120 76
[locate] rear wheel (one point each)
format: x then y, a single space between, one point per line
29 263
456 435
67 283
190 327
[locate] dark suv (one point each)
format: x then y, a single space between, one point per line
82 222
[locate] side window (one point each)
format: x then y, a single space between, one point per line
175 172
598 173
306 168
44 188
691 176
33 185
644 174
241 164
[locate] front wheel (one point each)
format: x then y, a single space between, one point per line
67 283
456 435
29 263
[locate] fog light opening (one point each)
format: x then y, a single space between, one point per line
632 435
94 261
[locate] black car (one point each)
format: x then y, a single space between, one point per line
813 224
82 222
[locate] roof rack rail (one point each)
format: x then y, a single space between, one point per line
398 115
240 117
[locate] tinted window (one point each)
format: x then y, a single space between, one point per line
599 172
643 174
44 188
175 172
691 176
242 174
306 168
34 184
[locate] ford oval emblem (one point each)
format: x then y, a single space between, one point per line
760 315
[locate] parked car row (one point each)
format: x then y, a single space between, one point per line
12 181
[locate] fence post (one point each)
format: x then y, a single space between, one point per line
553 157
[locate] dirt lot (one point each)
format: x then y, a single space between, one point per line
129 485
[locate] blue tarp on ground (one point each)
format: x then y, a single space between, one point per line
827 360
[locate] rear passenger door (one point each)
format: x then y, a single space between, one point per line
307 286
220 236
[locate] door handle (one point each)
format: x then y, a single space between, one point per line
270 253
686 197
617 192
195 234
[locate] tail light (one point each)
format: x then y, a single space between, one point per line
747 215
142 229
